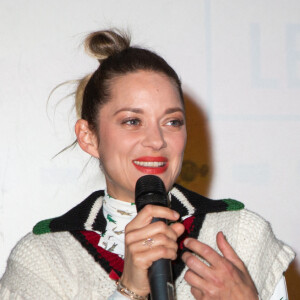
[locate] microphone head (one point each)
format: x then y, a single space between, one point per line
150 189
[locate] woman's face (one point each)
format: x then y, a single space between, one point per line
141 131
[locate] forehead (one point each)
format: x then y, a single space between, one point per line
142 87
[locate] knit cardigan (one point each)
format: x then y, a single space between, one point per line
61 259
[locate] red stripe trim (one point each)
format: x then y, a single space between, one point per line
189 226
114 260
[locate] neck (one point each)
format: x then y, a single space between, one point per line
120 195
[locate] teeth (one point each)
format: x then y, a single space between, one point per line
151 164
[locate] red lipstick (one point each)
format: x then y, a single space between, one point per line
151 165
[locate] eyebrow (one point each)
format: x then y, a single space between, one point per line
175 109
135 110
140 111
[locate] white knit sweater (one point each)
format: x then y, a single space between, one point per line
56 266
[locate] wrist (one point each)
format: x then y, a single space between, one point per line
136 284
124 290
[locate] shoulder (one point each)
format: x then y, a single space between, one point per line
81 217
29 270
189 203
246 231
252 237
51 266
244 220
33 250
243 228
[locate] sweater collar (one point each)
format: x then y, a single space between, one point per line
88 215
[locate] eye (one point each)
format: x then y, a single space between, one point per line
132 122
175 123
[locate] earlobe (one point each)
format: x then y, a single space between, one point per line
86 138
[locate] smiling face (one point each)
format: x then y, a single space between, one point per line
141 131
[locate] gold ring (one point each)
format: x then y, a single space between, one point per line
148 242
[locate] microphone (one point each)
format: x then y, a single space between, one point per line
150 189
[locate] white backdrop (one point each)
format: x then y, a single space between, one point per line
238 60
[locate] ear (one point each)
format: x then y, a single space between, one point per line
86 138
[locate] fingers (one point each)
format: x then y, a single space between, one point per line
145 258
196 266
197 293
211 256
202 276
202 287
140 228
162 243
144 217
224 276
150 245
199 286
228 251
158 252
139 255
149 231
178 228
203 250
194 280
218 268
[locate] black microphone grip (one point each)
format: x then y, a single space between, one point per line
160 276
151 190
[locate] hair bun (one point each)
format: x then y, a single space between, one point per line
102 44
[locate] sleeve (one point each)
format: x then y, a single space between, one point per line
266 257
20 283
21 280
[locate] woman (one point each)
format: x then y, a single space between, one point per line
132 119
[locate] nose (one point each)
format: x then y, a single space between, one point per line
154 137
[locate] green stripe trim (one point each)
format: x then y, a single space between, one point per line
42 227
233 204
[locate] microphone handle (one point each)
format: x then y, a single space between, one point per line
160 277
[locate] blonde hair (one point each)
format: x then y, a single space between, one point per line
100 45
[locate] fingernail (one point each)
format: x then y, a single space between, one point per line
176 214
186 241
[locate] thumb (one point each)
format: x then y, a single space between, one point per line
228 252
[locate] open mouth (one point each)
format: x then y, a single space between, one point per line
151 165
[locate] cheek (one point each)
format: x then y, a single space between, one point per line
107 139
178 144
115 147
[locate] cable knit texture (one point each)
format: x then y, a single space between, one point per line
55 265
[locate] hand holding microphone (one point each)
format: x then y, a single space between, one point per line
147 242
151 190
